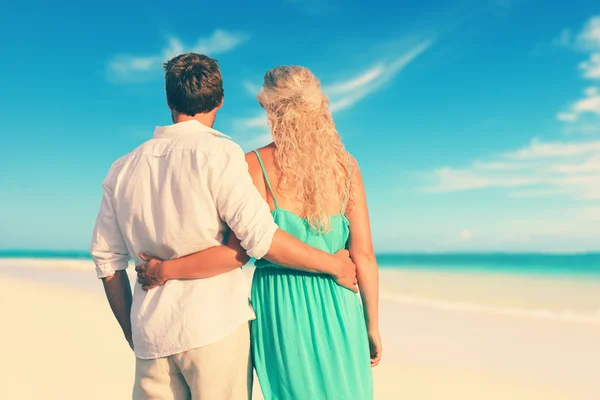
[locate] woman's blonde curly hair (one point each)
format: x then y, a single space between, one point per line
312 162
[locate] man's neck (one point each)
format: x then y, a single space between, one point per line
204 119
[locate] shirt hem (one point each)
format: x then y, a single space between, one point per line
188 348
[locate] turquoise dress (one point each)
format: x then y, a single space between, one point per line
309 340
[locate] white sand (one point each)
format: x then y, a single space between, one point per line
60 340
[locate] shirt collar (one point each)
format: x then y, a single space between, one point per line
185 128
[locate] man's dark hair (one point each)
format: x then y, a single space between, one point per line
193 83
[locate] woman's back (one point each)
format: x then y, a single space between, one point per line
285 195
288 211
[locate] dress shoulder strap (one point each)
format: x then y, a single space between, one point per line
264 170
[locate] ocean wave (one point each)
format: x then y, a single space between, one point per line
490 309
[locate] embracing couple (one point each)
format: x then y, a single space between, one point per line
191 209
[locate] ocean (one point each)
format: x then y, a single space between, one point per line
583 265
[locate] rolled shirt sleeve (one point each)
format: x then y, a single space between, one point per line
108 248
238 201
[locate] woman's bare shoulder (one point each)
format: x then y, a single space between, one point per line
353 161
254 167
251 158
266 154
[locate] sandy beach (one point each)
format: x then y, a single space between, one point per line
444 338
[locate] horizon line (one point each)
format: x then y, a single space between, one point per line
31 253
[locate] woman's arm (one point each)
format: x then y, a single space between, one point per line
363 255
286 251
203 264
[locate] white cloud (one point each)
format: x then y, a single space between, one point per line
355 83
544 192
588 38
259 121
591 67
251 88
588 41
567 117
344 94
256 141
590 165
139 68
220 42
261 140
538 149
585 128
500 165
545 169
252 132
589 104
129 69
456 179
540 169
591 91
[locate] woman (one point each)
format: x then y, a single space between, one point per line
312 339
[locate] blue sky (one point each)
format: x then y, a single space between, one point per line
476 123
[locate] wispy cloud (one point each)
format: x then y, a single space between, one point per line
588 41
587 105
540 150
588 38
591 67
259 140
589 128
259 121
251 88
126 68
345 94
566 117
540 169
543 169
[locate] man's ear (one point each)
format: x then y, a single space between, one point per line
220 104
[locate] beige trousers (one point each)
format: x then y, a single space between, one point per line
219 371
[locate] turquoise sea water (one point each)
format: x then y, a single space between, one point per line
537 264
554 264
46 254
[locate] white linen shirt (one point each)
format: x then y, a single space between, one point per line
174 195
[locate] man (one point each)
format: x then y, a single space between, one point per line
174 195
